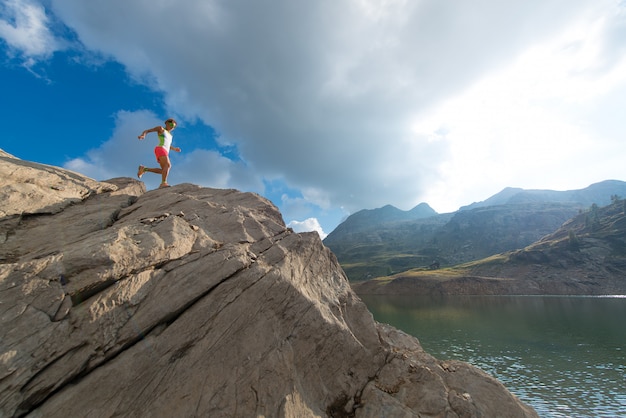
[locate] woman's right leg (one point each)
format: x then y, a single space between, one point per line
165 164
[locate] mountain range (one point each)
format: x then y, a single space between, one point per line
585 256
387 241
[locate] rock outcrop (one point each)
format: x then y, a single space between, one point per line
195 302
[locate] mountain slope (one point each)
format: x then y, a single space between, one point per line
363 220
585 256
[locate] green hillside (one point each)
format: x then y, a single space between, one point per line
586 255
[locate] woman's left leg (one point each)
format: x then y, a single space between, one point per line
165 164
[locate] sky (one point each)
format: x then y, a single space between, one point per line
325 107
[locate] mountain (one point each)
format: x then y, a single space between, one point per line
364 219
512 219
585 256
189 301
598 193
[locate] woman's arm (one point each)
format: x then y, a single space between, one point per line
157 129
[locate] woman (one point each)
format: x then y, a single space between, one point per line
161 151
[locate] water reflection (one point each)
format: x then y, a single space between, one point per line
565 356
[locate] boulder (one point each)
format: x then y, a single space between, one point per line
190 301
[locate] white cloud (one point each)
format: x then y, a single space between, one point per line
530 121
120 155
210 169
361 103
308 225
24 26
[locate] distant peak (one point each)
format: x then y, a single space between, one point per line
423 209
389 207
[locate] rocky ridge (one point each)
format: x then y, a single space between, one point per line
191 301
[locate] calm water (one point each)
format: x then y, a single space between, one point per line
564 356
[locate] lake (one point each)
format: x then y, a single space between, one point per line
565 356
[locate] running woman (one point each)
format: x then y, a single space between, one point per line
161 151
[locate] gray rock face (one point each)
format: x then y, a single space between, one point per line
195 302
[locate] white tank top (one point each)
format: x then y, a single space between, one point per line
165 140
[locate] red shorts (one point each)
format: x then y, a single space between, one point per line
160 152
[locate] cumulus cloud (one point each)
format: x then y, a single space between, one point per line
334 96
121 154
25 27
307 225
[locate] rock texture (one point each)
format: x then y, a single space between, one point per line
195 302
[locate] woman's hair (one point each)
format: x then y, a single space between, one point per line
171 120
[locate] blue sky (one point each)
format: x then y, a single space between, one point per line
324 107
